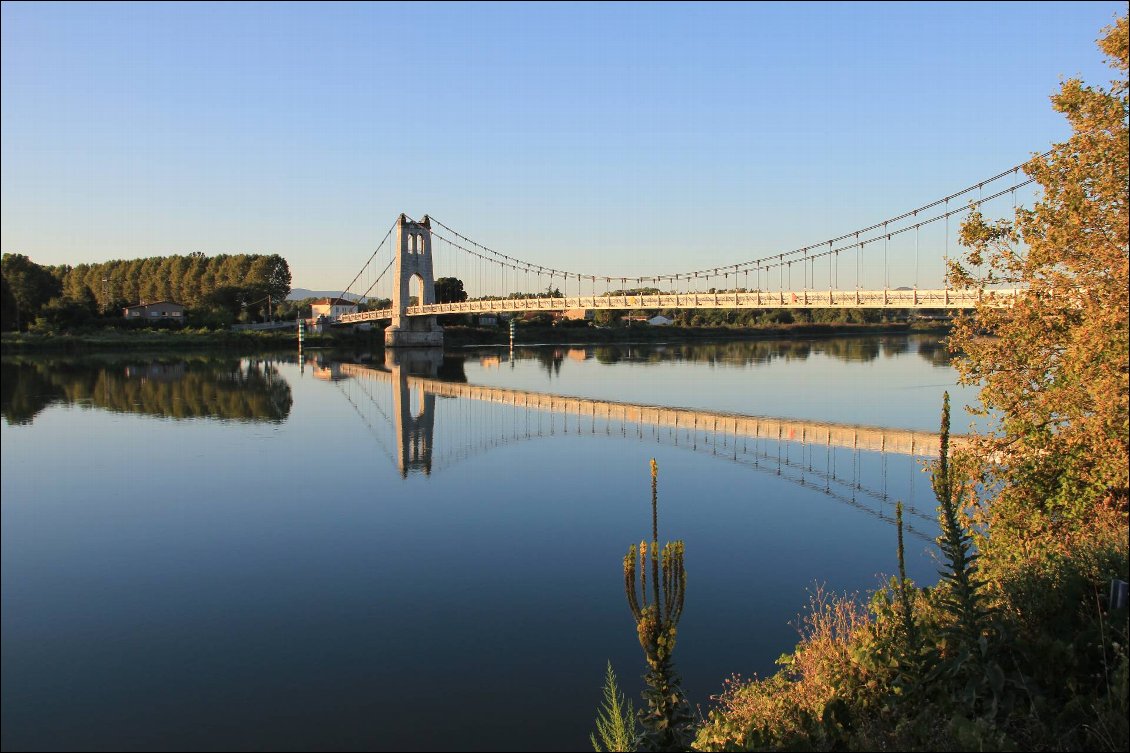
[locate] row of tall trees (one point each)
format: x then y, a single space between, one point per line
218 289
191 279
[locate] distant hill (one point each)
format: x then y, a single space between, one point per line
297 294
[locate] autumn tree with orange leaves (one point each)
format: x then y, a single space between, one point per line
1053 368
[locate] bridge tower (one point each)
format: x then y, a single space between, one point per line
413 260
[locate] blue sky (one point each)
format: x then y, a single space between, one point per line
616 139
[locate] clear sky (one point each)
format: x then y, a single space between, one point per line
617 139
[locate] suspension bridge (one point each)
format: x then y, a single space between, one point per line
851 271
400 400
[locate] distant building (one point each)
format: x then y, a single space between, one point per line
332 308
488 320
578 314
157 311
659 321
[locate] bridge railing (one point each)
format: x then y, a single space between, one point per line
944 298
365 316
757 299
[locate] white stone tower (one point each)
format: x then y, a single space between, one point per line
413 259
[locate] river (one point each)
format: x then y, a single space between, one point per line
208 552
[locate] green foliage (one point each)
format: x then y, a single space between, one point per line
286 310
961 588
450 290
616 720
605 317
9 309
372 304
66 314
194 280
243 285
211 316
31 287
910 634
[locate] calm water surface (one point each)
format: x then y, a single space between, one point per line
204 552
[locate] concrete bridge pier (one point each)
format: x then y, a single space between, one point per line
413 261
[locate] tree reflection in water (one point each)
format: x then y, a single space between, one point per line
745 352
178 388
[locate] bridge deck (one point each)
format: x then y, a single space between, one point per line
872 299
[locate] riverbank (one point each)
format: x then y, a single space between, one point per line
114 340
455 336
171 340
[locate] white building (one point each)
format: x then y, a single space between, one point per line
331 308
659 321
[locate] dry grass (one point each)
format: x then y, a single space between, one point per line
778 706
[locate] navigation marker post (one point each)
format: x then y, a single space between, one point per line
301 338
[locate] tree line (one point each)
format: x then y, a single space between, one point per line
217 290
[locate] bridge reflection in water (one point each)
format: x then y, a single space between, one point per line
397 401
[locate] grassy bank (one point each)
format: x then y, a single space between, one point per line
171 340
1021 653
